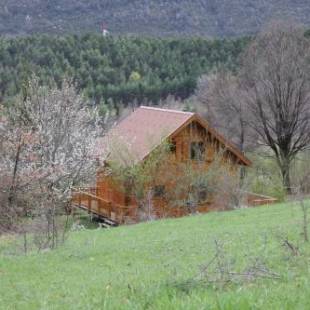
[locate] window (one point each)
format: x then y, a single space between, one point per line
159 191
127 200
202 195
197 150
173 147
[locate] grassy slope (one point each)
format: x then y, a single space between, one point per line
137 267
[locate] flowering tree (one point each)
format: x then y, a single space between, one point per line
47 146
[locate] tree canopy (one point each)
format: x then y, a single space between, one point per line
114 70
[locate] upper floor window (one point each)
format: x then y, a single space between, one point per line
173 147
127 200
202 194
159 191
197 150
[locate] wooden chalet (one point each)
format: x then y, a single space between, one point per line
133 141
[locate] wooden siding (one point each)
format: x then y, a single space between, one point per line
109 198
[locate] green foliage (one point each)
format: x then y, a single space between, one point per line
114 70
138 178
152 265
265 178
134 76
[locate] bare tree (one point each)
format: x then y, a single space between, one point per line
49 139
275 77
224 98
222 95
271 94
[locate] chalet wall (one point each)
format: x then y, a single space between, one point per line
170 173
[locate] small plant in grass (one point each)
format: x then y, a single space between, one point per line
222 270
301 196
304 206
263 177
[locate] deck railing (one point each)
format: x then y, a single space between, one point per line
88 199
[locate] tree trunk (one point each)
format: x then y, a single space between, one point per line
12 190
286 178
241 146
242 176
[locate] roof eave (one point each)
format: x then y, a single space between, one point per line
242 158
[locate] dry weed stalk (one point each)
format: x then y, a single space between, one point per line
220 270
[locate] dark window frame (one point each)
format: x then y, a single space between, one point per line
159 191
202 195
173 147
197 150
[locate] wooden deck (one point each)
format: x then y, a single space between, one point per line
114 214
111 214
254 200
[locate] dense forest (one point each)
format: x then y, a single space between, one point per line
114 69
212 18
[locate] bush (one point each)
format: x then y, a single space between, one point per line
264 177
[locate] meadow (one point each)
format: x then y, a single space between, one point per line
159 265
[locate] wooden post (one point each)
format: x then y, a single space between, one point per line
99 206
89 204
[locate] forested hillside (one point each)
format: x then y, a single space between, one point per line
114 69
153 17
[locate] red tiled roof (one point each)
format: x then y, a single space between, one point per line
143 130
146 128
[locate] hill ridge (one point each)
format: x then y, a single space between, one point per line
223 18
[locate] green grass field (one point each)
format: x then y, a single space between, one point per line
156 265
